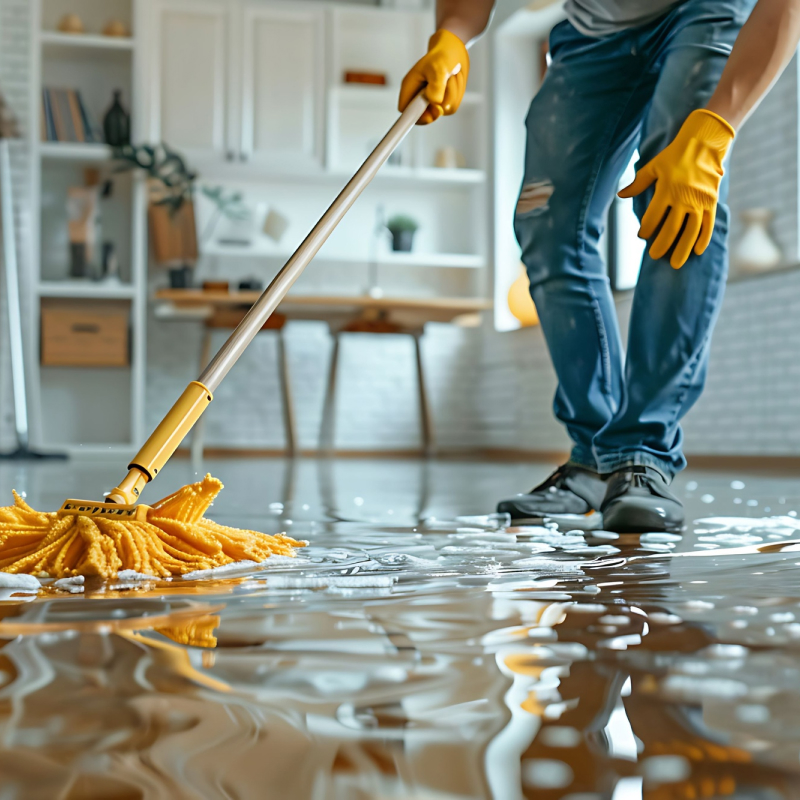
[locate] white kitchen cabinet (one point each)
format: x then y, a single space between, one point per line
283 85
192 86
239 81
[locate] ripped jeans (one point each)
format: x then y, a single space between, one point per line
600 100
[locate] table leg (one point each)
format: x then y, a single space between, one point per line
198 434
289 424
327 434
425 417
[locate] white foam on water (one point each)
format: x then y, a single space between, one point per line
329 581
9 580
71 585
133 575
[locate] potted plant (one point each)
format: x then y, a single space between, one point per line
171 208
402 229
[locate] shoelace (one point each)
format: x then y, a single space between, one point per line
552 481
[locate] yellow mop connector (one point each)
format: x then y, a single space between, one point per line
163 442
111 511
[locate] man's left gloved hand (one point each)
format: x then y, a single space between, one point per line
687 174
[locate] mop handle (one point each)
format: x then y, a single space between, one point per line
164 440
263 308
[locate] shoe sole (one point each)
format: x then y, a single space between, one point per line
571 522
641 530
633 520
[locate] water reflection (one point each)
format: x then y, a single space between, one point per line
422 658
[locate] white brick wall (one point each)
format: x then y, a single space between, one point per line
763 171
752 402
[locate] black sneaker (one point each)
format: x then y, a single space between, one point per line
637 501
571 496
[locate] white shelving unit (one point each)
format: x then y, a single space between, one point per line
290 146
86 410
451 204
252 93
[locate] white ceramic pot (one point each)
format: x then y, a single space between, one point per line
756 251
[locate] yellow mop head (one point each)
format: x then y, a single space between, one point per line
171 537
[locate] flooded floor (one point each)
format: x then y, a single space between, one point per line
417 648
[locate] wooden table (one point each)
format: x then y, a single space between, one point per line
342 314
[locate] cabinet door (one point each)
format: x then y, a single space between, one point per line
190 76
282 85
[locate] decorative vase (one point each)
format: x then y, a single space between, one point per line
115 27
71 23
180 277
449 158
520 303
756 251
117 123
403 241
109 271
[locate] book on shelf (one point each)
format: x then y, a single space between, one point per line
65 117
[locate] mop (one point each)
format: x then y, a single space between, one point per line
173 537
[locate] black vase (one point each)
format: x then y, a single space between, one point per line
180 277
117 123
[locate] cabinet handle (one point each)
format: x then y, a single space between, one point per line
230 155
243 156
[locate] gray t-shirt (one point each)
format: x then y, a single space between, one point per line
604 17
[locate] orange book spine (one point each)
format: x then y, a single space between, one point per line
75 112
61 133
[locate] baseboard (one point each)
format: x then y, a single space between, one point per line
446 454
260 452
732 463
722 463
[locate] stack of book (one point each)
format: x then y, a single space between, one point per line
65 118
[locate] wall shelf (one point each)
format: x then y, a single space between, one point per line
380 97
72 151
448 260
86 290
428 175
396 259
389 175
85 40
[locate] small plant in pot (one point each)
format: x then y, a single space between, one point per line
402 229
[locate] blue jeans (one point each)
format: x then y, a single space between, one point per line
601 99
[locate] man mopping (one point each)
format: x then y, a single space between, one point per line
674 79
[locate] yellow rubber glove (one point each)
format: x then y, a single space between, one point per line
687 174
444 70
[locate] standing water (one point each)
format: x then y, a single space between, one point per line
409 652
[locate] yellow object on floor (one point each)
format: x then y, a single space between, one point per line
172 538
520 302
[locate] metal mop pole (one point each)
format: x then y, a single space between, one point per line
14 317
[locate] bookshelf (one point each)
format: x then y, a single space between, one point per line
81 409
